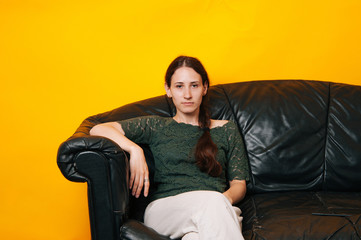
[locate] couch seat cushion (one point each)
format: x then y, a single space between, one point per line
302 215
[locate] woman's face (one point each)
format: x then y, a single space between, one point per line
186 90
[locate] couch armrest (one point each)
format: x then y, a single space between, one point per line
134 230
104 166
69 150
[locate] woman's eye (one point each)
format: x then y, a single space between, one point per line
178 86
195 85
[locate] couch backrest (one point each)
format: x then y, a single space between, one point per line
299 135
284 128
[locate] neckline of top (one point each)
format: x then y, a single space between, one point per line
196 126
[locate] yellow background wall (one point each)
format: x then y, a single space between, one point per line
64 60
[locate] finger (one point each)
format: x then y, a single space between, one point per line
146 184
131 180
138 182
140 186
135 185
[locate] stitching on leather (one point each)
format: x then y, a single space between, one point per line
170 109
255 220
353 224
321 201
333 235
229 104
326 136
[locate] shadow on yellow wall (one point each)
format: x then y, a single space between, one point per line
62 61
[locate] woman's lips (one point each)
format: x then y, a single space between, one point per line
187 103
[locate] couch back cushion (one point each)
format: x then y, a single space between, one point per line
343 142
299 135
284 126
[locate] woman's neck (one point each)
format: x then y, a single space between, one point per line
189 119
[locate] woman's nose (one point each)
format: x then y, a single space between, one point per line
187 93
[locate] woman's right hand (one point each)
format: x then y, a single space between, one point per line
139 174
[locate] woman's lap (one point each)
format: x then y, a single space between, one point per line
207 213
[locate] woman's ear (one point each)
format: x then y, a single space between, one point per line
167 89
205 89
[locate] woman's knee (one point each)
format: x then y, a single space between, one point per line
214 201
217 197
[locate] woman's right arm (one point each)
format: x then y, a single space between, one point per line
138 165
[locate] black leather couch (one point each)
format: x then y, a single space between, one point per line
303 140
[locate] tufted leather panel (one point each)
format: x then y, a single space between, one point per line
284 127
343 145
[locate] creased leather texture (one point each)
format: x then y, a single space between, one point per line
294 215
303 142
136 230
343 151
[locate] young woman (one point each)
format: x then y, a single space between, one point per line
200 163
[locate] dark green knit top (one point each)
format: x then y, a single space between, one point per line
173 145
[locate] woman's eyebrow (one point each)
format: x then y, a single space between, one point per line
189 82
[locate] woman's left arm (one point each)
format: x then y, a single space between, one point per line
237 191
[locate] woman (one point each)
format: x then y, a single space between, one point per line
194 157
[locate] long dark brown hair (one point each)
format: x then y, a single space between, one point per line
206 150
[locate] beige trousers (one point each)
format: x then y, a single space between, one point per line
203 215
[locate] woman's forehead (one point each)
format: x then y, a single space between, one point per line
186 75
